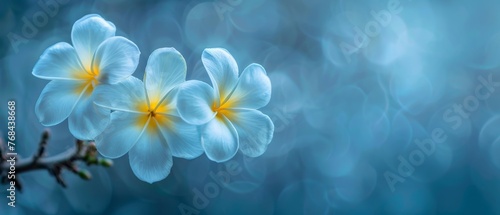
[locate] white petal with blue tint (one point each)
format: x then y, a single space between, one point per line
222 69
150 158
87 119
194 102
253 89
219 139
87 33
59 61
121 134
123 96
182 138
57 100
116 59
170 102
255 131
165 69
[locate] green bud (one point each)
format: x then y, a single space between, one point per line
105 162
84 174
91 160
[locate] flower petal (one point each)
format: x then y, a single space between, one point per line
115 60
255 131
253 89
87 33
59 61
121 134
168 105
183 139
123 96
194 102
219 139
150 158
57 101
87 119
165 69
222 70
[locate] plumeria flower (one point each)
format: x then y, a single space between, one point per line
227 112
97 57
145 122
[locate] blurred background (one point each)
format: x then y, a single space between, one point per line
356 84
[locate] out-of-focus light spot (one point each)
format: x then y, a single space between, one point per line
358 184
304 197
489 133
411 90
203 27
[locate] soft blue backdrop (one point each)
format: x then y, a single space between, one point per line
344 117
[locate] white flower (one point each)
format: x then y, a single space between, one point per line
227 112
98 57
144 121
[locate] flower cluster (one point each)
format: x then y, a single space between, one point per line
156 118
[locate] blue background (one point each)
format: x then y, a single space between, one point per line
342 123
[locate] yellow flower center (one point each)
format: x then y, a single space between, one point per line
154 113
224 109
90 81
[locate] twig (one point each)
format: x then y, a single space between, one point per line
43 145
82 151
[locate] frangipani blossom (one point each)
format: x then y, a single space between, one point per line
145 122
97 57
227 112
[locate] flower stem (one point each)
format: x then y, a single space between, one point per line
82 151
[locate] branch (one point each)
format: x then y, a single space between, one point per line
82 151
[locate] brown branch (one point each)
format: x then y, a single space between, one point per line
82 151
43 145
